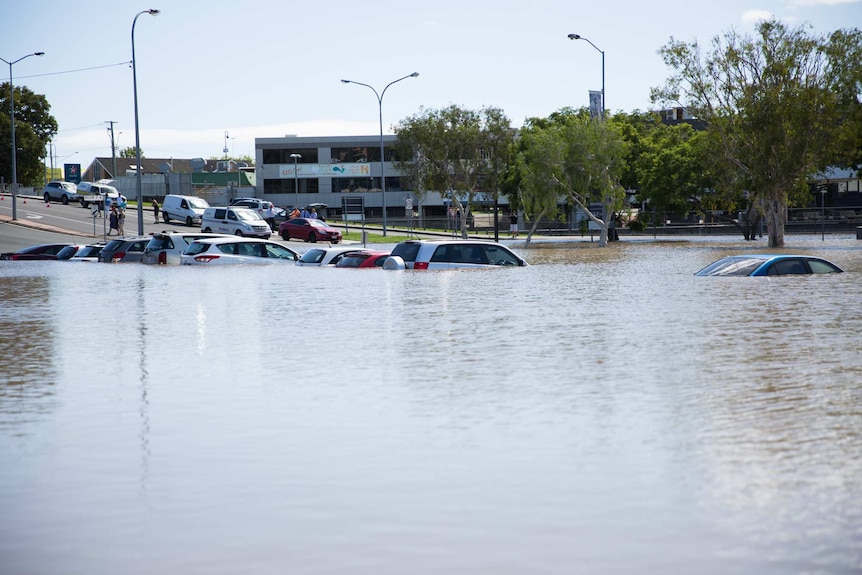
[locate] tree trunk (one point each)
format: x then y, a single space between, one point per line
776 215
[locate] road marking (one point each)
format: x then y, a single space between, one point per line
34 217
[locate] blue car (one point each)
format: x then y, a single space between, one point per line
769 265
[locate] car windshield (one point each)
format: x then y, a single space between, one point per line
160 243
89 251
67 252
406 251
248 215
317 223
732 267
198 203
312 256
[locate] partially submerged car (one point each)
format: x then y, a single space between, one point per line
769 265
450 254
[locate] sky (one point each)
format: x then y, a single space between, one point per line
269 68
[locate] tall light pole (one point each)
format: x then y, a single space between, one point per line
602 52
295 158
14 150
380 106
140 193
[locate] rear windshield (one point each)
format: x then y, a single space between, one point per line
114 245
160 243
406 251
312 256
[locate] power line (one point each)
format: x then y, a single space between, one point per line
78 70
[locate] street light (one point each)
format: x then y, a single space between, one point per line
579 37
380 106
295 158
14 151
140 194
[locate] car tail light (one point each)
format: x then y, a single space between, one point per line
420 265
118 256
163 257
205 258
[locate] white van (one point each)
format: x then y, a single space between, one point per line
188 209
93 193
236 221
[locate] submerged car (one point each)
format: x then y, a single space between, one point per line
166 248
450 254
325 256
37 252
769 265
124 250
234 250
308 230
363 259
88 253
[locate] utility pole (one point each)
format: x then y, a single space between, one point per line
113 149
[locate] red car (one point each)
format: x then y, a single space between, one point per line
39 252
363 259
308 230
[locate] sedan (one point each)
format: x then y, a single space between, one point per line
308 230
769 265
236 250
325 256
38 252
363 259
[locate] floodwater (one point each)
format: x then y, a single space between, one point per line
601 411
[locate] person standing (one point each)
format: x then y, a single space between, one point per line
121 222
156 206
113 221
513 223
269 216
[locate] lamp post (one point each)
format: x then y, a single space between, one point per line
140 194
380 107
295 158
602 52
14 150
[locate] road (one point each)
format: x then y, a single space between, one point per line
39 222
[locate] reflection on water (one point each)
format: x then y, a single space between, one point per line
600 408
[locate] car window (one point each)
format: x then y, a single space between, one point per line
501 257
406 251
280 252
138 246
248 249
732 267
219 214
787 267
160 243
248 215
196 248
313 256
198 203
821 267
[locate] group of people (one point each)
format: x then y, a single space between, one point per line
116 213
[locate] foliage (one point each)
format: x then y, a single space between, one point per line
129 152
455 150
34 127
776 104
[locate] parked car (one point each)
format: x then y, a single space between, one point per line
448 254
188 209
363 259
37 252
234 250
237 221
255 204
124 250
325 256
768 265
166 247
64 191
308 230
88 253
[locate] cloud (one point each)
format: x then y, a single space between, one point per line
754 16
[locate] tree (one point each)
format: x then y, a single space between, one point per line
455 152
776 103
130 152
34 127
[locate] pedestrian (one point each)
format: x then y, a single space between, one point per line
313 214
113 221
513 223
305 213
269 216
295 213
121 222
156 206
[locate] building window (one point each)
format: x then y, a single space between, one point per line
282 156
287 186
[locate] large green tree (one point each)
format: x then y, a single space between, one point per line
777 102
34 127
457 151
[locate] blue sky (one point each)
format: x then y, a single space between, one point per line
266 68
